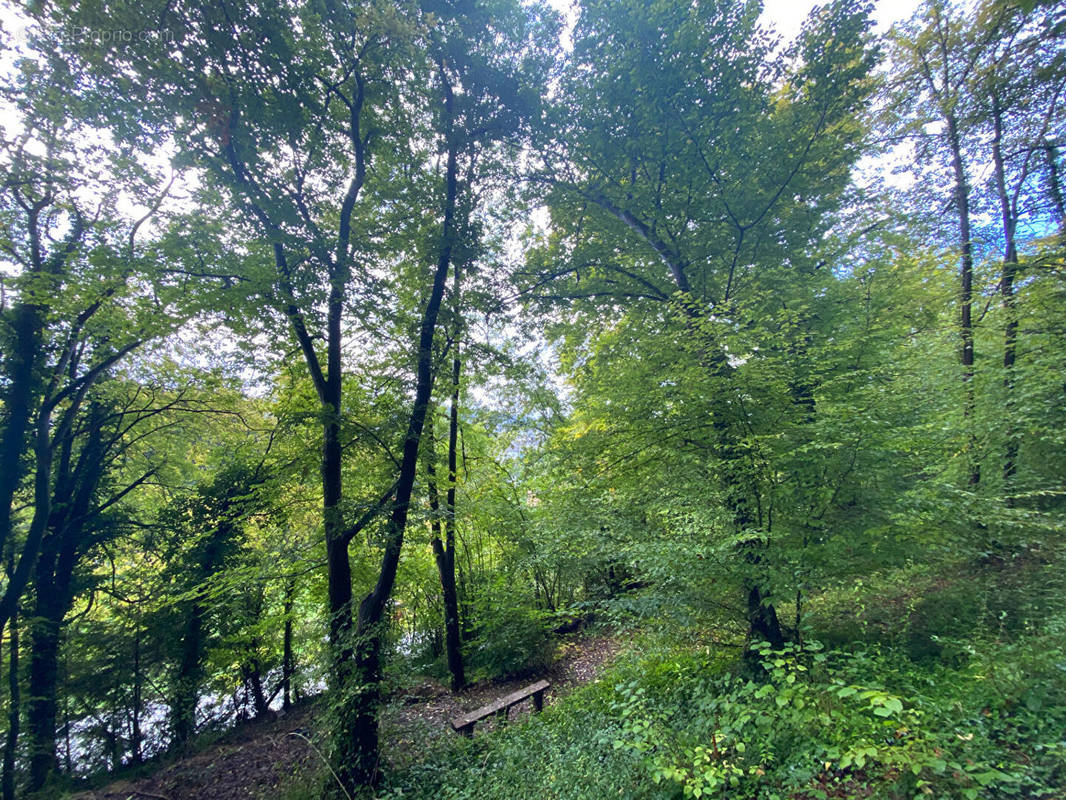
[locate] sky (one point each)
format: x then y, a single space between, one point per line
785 15
788 15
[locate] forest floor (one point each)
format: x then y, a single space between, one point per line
258 759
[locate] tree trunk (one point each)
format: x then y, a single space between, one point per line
41 708
42 509
286 647
741 497
17 401
23 393
356 739
444 552
338 566
452 631
254 676
962 205
68 510
762 618
136 736
186 686
353 685
1010 328
52 588
19 372
14 704
251 666
445 555
1054 186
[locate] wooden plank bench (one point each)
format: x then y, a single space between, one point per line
465 724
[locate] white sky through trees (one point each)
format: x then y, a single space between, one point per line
786 16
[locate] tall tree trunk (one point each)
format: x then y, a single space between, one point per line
24 390
14 705
22 386
346 678
742 498
356 739
741 494
338 565
254 675
19 578
286 647
112 738
762 617
185 690
444 555
136 736
962 205
68 510
444 552
252 668
43 682
52 589
1010 328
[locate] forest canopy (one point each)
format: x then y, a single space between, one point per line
357 357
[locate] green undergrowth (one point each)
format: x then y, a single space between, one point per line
981 715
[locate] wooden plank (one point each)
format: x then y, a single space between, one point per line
502 704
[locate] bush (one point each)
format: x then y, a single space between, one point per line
858 722
858 718
863 721
514 642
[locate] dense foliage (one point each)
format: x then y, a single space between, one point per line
348 346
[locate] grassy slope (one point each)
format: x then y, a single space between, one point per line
947 682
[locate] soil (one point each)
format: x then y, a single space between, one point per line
257 760
251 761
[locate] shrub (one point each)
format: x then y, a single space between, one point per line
514 642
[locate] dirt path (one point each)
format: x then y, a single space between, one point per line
427 712
255 760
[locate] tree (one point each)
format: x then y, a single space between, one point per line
251 86
14 699
444 547
86 494
211 519
498 95
84 294
695 172
335 96
981 93
1018 93
940 64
